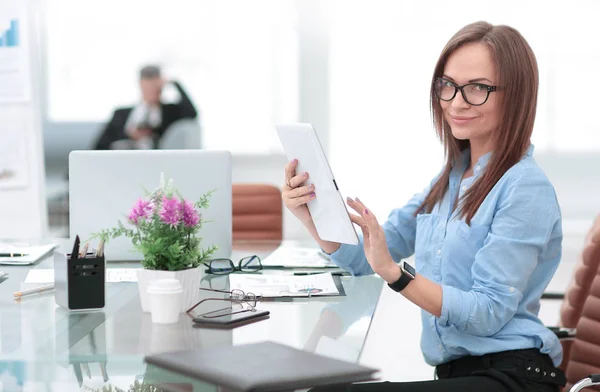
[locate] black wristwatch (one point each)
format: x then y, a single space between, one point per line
408 274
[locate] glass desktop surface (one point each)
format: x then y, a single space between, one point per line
44 347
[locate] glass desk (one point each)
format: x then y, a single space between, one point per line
44 347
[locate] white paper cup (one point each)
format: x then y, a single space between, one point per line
166 297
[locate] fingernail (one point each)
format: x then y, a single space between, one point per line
312 194
348 199
311 186
305 174
293 161
358 200
366 211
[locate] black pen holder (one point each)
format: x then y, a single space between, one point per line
80 284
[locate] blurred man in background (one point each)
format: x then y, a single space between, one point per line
141 126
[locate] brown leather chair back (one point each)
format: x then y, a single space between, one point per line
257 212
579 288
585 351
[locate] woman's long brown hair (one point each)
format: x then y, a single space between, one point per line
517 73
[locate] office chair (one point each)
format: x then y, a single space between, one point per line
257 212
583 367
580 312
183 134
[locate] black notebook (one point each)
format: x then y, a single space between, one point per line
265 366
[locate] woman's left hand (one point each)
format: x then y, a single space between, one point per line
376 249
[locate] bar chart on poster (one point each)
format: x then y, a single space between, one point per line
15 84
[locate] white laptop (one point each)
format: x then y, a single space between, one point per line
104 185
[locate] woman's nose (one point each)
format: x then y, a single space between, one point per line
459 101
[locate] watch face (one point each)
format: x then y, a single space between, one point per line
409 269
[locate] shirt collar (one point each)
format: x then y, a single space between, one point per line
483 161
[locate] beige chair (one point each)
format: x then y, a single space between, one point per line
257 212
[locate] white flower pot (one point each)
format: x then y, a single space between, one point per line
189 278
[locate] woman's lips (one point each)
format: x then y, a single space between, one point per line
461 120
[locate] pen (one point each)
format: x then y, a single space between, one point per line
41 289
317 273
13 254
75 252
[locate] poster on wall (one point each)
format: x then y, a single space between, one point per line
13 156
15 81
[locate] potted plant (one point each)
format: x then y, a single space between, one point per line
163 227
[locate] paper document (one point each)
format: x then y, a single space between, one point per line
289 257
32 253
113 275
284 285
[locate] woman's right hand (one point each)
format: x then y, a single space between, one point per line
296 193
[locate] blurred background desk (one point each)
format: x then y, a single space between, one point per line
44 347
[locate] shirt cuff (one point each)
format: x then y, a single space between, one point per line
344 255
455 310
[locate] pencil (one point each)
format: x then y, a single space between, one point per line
100 250
41 289
83 252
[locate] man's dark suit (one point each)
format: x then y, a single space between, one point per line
170 112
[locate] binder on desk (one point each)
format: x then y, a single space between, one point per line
277 286
265 366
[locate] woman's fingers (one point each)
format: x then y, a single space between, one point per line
298 201
358 220
370 221
301 191
291 179
290 170
363 227
367 215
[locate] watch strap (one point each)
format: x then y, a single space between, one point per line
407 276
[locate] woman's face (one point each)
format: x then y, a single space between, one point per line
472 63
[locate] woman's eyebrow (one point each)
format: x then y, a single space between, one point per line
470 81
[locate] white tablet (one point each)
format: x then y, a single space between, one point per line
328 209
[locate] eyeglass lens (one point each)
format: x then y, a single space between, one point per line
474 94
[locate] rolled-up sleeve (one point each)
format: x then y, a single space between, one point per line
526 215
400 230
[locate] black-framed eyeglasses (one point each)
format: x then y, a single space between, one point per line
237 299
225 266
475 94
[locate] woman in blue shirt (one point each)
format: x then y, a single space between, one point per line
486 233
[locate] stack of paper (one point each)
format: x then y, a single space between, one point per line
287 257
284 285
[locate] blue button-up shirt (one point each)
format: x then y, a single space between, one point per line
492 272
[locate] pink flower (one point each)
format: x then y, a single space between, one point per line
170 212
142 210
189 214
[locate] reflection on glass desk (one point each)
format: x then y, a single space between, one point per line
44 347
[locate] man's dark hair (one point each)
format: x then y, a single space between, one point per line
150 72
